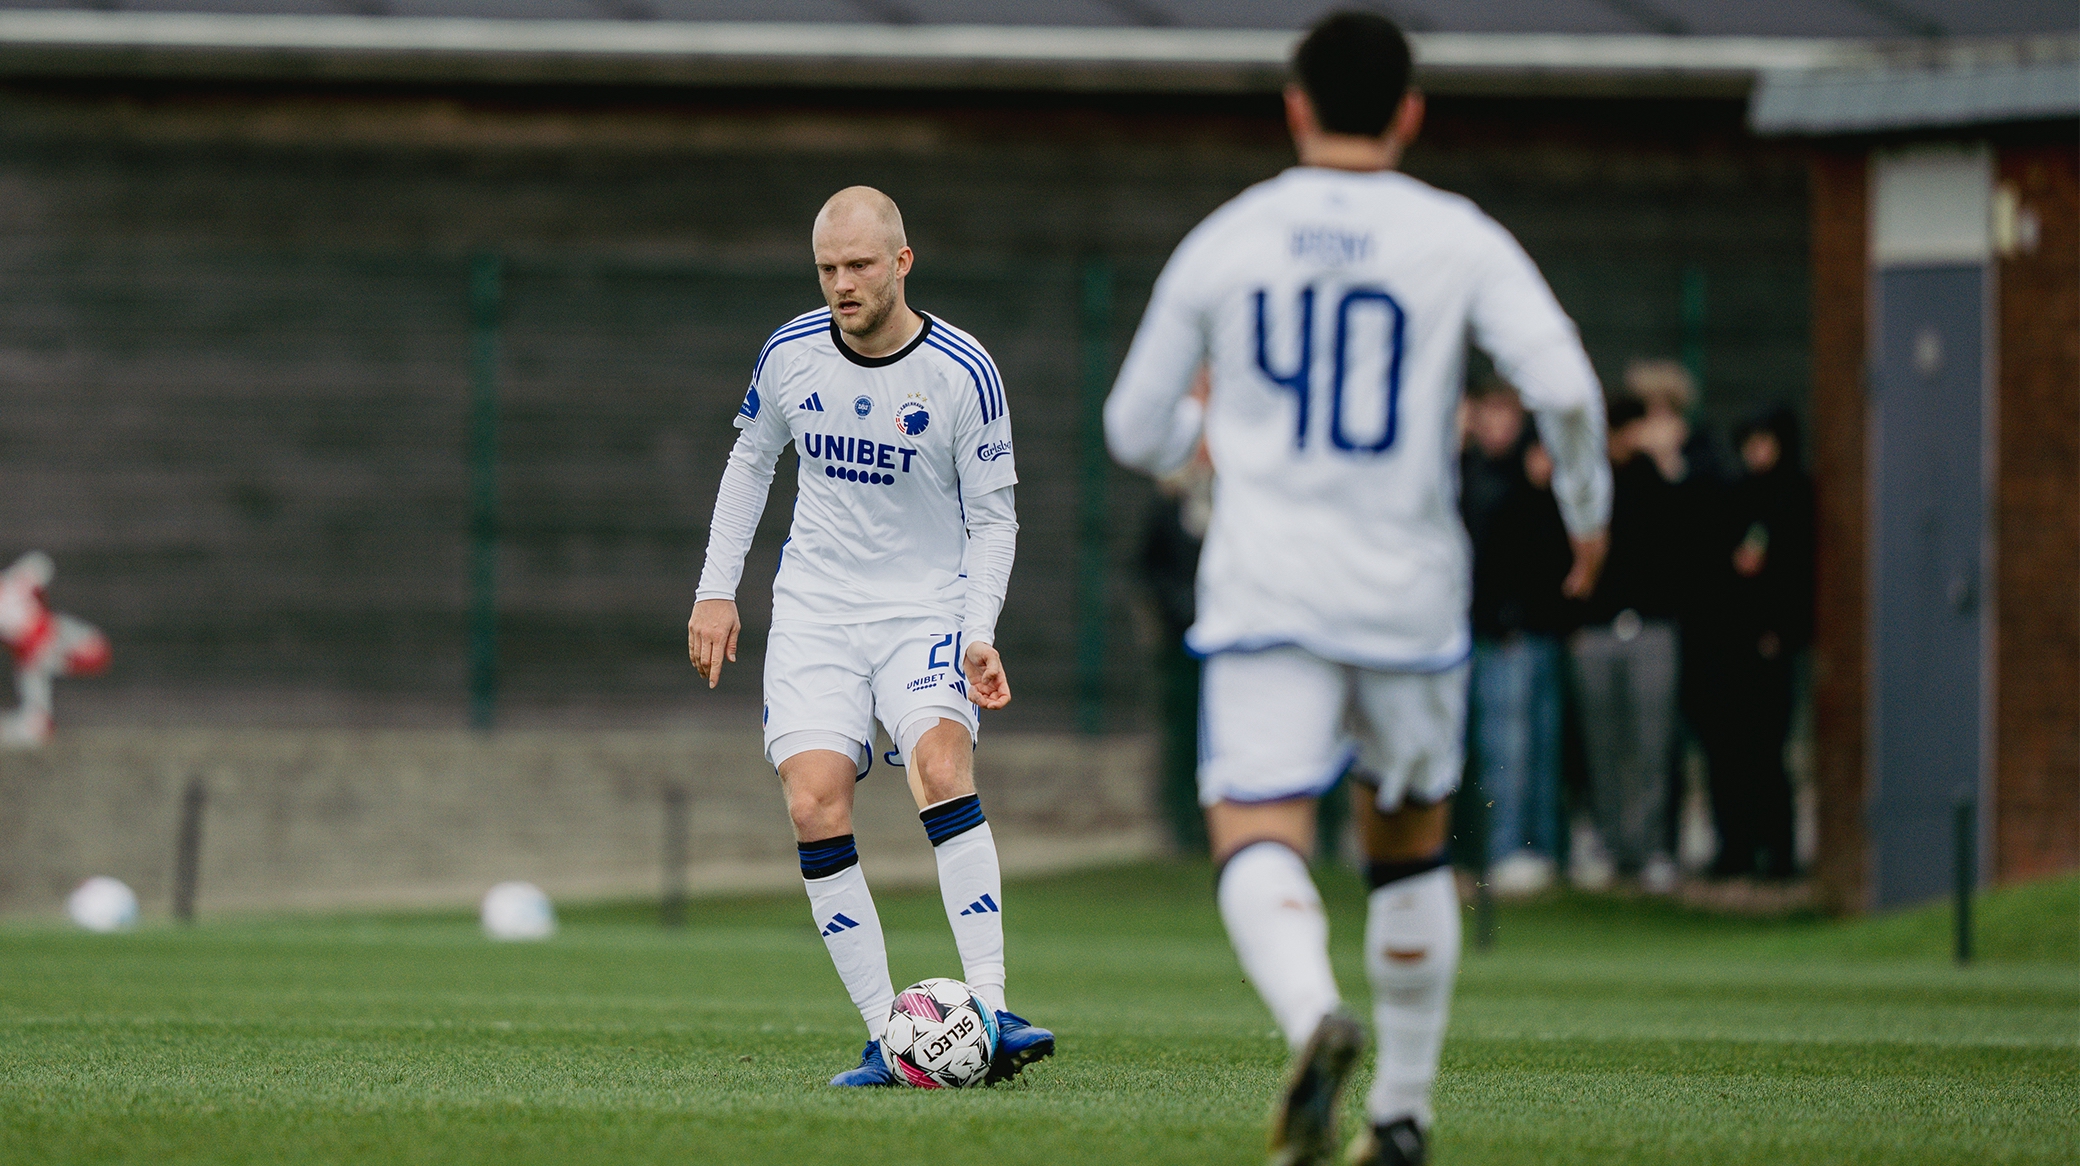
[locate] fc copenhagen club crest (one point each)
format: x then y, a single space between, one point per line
914 414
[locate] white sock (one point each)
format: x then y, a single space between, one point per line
1274 917
1411 956
973 890
852 931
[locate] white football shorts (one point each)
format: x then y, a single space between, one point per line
825 679
1284 723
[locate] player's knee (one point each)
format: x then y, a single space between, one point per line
818 812
943 776
941 758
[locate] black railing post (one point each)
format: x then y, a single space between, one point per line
187 850
1964 830
672 899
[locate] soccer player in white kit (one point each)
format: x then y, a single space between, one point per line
885 607
1332 305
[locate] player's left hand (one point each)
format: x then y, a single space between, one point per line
987 685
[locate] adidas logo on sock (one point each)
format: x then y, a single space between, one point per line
839 923
813 403
982 906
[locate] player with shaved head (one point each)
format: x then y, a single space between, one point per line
885 607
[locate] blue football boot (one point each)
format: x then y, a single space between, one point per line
872 1069
1018 1044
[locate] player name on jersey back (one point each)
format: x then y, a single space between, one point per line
1332 310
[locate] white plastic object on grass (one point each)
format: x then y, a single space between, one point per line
516 910
103 904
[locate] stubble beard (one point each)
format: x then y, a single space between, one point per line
875 306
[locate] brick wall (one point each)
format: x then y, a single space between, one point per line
1840 654
2037 514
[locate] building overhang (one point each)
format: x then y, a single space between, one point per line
407 50
2025 79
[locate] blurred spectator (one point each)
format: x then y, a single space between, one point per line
45 645
1760 586
1521 556
1626 662
1491 458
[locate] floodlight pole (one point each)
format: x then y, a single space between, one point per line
1093 559
486 302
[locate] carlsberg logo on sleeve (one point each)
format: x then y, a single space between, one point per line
990 451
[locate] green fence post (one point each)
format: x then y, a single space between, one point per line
1693 321
1093 558
486 303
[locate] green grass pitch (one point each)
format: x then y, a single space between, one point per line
1597 1030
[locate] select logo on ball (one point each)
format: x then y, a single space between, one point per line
940 1035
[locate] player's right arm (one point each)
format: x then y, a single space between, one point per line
1152 421
1518 323
712 629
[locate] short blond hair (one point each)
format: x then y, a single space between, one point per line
1661 382
873 205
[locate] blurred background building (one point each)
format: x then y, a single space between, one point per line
369 365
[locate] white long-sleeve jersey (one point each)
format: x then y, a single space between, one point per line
904 505
1332 310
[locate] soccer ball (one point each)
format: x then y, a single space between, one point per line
518 911
103 904
940 1035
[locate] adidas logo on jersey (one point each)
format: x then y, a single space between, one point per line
812 404
982 906
839 922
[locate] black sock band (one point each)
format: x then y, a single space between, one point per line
1379 874
827 856
951 819
1221 867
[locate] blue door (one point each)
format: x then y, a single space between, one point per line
1928 385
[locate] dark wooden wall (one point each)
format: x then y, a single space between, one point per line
2036 829
1841 653
235 336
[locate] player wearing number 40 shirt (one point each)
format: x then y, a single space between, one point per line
1331 306
885 607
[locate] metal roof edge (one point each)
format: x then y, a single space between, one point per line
1993 82
364 48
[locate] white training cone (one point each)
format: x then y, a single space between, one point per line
518 911
103 904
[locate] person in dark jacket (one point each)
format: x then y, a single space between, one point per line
1627 658
1521 559
1761 583
1491 459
